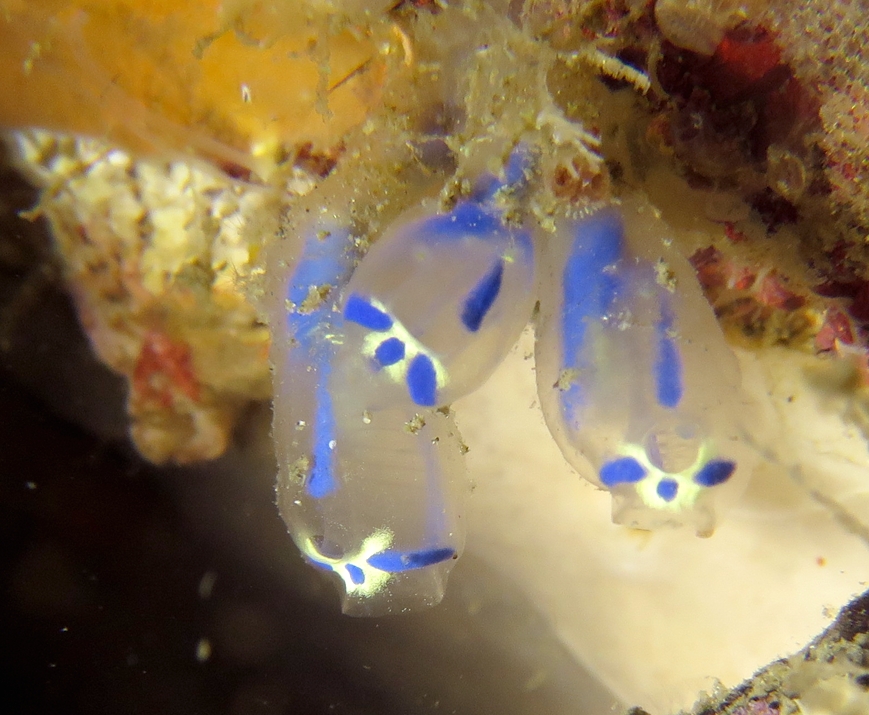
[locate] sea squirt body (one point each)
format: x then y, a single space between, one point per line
374 496
636 381
368 350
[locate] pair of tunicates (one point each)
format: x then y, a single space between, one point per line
635 379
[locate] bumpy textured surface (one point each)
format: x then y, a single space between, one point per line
830 676
154 254
827 51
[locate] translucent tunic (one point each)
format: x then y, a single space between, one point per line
634 374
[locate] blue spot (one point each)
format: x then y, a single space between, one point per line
398 561
668 364
668 489
624 470
357 576
389 352
714 472
422 381
479 301
359 310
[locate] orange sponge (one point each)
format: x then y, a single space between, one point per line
238 82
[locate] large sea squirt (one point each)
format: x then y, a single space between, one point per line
371 476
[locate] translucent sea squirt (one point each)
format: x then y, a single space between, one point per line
373 496
637 384
371 478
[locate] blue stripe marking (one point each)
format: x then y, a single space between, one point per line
357 575
466 219
624 470
482 296
589 289
714 472
359 310
516 171
326 260
321 480
668 364
389 352
398 561
485 189
422 381
525 247
667 489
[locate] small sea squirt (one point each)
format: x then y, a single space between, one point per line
436 304
637 383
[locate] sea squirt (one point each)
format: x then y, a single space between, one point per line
636 381
368 351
